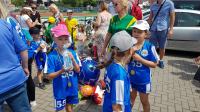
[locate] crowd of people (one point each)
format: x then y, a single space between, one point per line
120 43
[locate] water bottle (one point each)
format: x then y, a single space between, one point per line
67 60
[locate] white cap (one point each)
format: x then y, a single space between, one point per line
28 8
141 25
122 40
69 10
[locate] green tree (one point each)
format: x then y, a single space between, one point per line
17 2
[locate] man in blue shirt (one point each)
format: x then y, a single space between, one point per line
12 74
117 93
159 28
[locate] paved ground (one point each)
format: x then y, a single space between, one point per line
174 90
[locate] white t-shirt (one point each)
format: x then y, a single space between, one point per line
22 21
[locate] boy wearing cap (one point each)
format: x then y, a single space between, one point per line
144 58
117 93
65 82
71 24
39 47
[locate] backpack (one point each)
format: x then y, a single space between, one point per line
136 11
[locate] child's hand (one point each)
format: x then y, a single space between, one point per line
64 69
42 46
136 57
71 56
133 50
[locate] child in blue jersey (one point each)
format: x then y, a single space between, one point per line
144 58
65 81
117 93
39 47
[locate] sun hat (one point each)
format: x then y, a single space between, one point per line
141 25
60 30
122 40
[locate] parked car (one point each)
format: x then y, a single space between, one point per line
186 31
187 4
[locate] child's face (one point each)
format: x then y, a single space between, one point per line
35 36
61 41
140 35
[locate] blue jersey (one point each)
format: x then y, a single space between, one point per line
139 73
61 89
117 88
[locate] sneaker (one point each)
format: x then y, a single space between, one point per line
33 103
42 86
161 64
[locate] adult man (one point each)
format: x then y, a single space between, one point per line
71 24
159 27
12 74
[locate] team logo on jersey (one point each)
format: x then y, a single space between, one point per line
144 53
132 72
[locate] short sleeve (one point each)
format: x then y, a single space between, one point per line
18 43
172 7
50 64
153 54
117 89
26 17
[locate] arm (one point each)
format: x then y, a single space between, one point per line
31 24
107 40
171 24
150 19
55 74
24 57
61 18
39 18
144 61
117 108
98 21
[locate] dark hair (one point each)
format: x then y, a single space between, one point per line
34 30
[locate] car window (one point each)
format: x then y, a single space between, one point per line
194 5
185 19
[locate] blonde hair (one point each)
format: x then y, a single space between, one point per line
54 6
3 10
123 3
103 6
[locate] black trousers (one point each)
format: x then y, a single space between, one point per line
30 83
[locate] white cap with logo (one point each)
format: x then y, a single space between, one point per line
141 25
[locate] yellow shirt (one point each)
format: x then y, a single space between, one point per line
72 23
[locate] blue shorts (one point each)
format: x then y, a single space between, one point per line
159 38
146 88
40 60
60 103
